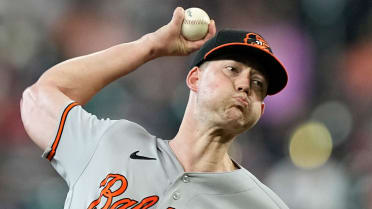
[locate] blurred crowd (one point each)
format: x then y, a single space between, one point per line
325 45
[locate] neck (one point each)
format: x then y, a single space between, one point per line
201 147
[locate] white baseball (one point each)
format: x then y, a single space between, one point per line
195 24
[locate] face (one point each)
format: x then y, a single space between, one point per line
230 94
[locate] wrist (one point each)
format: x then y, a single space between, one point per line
153 47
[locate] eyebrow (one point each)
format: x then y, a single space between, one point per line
257 67
258 72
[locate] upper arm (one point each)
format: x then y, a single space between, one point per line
41 106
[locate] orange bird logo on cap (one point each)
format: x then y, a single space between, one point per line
257 41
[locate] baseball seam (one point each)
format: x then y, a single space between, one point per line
195 22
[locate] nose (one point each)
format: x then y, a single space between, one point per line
244 89
242 85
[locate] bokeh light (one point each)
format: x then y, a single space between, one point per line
337 117
323 12
310 145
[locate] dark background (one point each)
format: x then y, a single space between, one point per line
326 46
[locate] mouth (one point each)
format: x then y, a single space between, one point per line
241 101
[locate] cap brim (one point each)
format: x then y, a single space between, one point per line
274 69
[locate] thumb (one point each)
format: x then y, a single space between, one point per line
178 16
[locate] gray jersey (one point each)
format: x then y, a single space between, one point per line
118 164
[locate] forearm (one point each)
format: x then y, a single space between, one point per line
82 77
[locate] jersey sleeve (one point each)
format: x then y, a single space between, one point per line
77 137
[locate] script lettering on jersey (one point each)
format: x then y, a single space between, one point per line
108 193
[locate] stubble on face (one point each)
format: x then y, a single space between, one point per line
217 99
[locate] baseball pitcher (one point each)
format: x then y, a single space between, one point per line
118 164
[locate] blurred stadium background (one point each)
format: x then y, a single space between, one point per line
313 145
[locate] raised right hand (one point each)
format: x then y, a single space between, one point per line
168 40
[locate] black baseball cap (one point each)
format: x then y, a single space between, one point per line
237 42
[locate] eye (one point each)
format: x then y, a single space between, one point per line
257 83
232 69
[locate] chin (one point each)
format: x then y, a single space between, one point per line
239 123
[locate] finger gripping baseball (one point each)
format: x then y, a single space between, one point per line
195 24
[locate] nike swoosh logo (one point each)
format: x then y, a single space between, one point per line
139 157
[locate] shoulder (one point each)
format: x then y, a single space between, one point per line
129 128
78 116
87 126
128 135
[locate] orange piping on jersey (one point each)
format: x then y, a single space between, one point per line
60 130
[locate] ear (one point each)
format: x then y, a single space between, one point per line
192 79
262 108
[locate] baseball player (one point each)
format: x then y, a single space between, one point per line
118 164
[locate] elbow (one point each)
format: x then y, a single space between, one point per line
28 98
27 106
33 114
40 107
31 102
